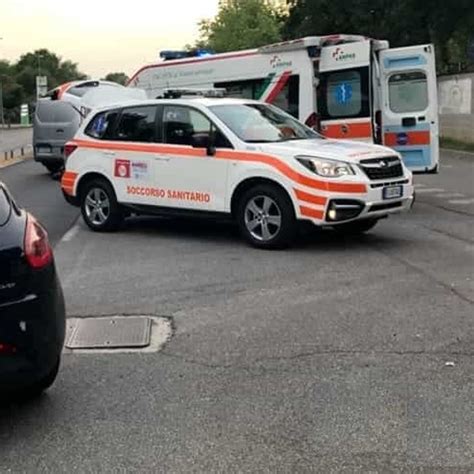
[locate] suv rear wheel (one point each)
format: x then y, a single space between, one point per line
99 206
53 167
266 217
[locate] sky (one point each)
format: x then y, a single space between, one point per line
102 36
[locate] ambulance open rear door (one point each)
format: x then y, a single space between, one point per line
409 105
344 91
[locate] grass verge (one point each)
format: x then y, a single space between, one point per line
456 144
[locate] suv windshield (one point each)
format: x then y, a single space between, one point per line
259 123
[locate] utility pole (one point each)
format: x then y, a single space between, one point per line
2 115
38 57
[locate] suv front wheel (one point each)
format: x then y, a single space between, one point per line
266 217
99 206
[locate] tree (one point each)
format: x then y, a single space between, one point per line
118 77
12 92
241 24
19 79
404 22
45 63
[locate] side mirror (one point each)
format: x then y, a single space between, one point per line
203 140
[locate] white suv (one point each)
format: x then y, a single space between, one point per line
228 157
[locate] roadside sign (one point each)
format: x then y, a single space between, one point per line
24 115
41 86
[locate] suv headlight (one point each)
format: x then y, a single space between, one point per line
325 167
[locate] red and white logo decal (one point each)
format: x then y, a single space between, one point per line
122 169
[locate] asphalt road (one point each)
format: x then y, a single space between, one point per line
15 138
351 355
34 190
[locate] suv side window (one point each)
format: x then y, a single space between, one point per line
137 124
181 123
102 125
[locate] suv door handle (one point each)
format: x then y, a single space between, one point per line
109 153
161 158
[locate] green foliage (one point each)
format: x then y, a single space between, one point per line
453 144
402 22
118 77
19 79
241 24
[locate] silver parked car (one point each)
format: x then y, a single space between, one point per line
55 123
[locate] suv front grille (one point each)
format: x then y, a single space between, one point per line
382 168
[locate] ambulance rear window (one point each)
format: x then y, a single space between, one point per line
408 92
344 94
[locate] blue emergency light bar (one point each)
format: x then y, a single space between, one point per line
169 55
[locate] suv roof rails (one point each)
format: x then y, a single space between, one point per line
177 93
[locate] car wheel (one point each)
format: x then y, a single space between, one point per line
53 168
39 387
357 227
33 391
266 217
99 206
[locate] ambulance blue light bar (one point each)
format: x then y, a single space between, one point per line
169 55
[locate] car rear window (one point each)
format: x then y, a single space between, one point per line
55 112
102 125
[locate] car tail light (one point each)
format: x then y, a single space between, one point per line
38 251
69 148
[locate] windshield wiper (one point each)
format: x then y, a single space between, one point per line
292 138
262 141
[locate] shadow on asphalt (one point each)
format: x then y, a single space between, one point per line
17 408
307 238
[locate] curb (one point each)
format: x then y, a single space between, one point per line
15 127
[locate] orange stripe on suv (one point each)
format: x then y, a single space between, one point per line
311 198
282 167
68 181
311 213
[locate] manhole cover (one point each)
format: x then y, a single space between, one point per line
110 333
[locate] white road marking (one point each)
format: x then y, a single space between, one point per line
71 233
462 201
449 195
430 190
419 185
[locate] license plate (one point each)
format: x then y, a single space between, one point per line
43 149
392 192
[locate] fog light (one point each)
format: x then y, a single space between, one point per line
343 210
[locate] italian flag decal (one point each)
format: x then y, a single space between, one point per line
272 86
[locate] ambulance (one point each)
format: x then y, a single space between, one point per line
346 86
228 158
